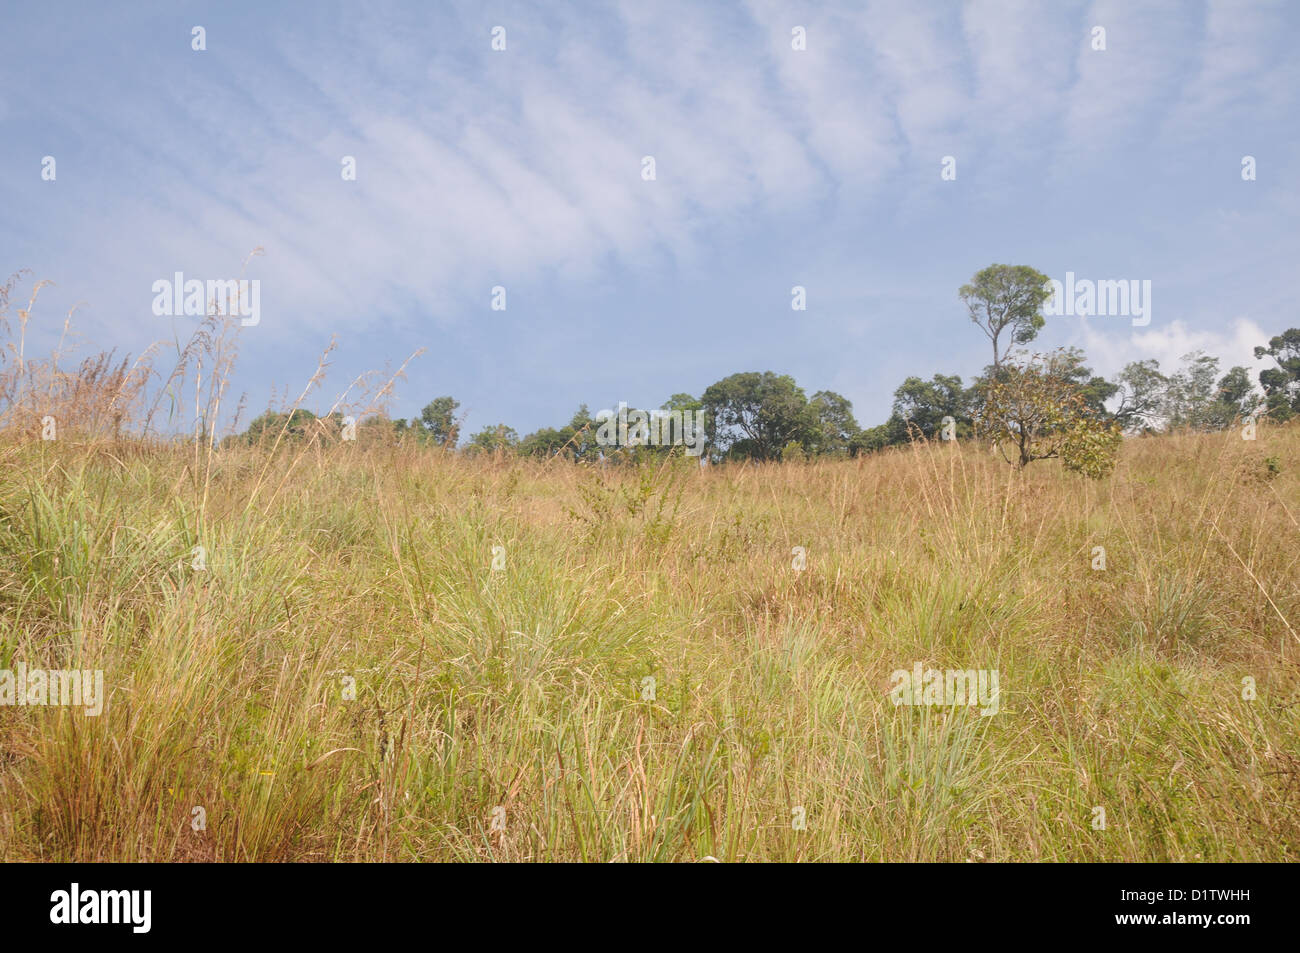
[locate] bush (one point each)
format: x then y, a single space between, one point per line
1041 413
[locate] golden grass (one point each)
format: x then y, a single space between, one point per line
522 688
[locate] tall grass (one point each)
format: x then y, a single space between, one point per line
522 688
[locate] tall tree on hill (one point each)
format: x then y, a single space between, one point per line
1005 302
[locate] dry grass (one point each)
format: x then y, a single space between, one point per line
521 688
96 394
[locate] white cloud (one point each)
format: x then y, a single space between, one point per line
1108 352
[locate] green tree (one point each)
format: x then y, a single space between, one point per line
546 442
1005 302
1282 383
1236 396
576 440
269 426
836 426
870 439
1192 399
682 402
677 403
493 439
921 406
1141 389
755 415
438 421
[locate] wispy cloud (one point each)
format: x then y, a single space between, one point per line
774 166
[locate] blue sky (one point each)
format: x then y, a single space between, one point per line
775 167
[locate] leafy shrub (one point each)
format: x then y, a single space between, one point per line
1037 410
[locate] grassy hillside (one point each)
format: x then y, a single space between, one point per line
522 687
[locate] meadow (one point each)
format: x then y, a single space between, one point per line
399 653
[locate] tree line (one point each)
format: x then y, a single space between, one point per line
1032 406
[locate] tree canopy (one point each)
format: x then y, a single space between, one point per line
1005 302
